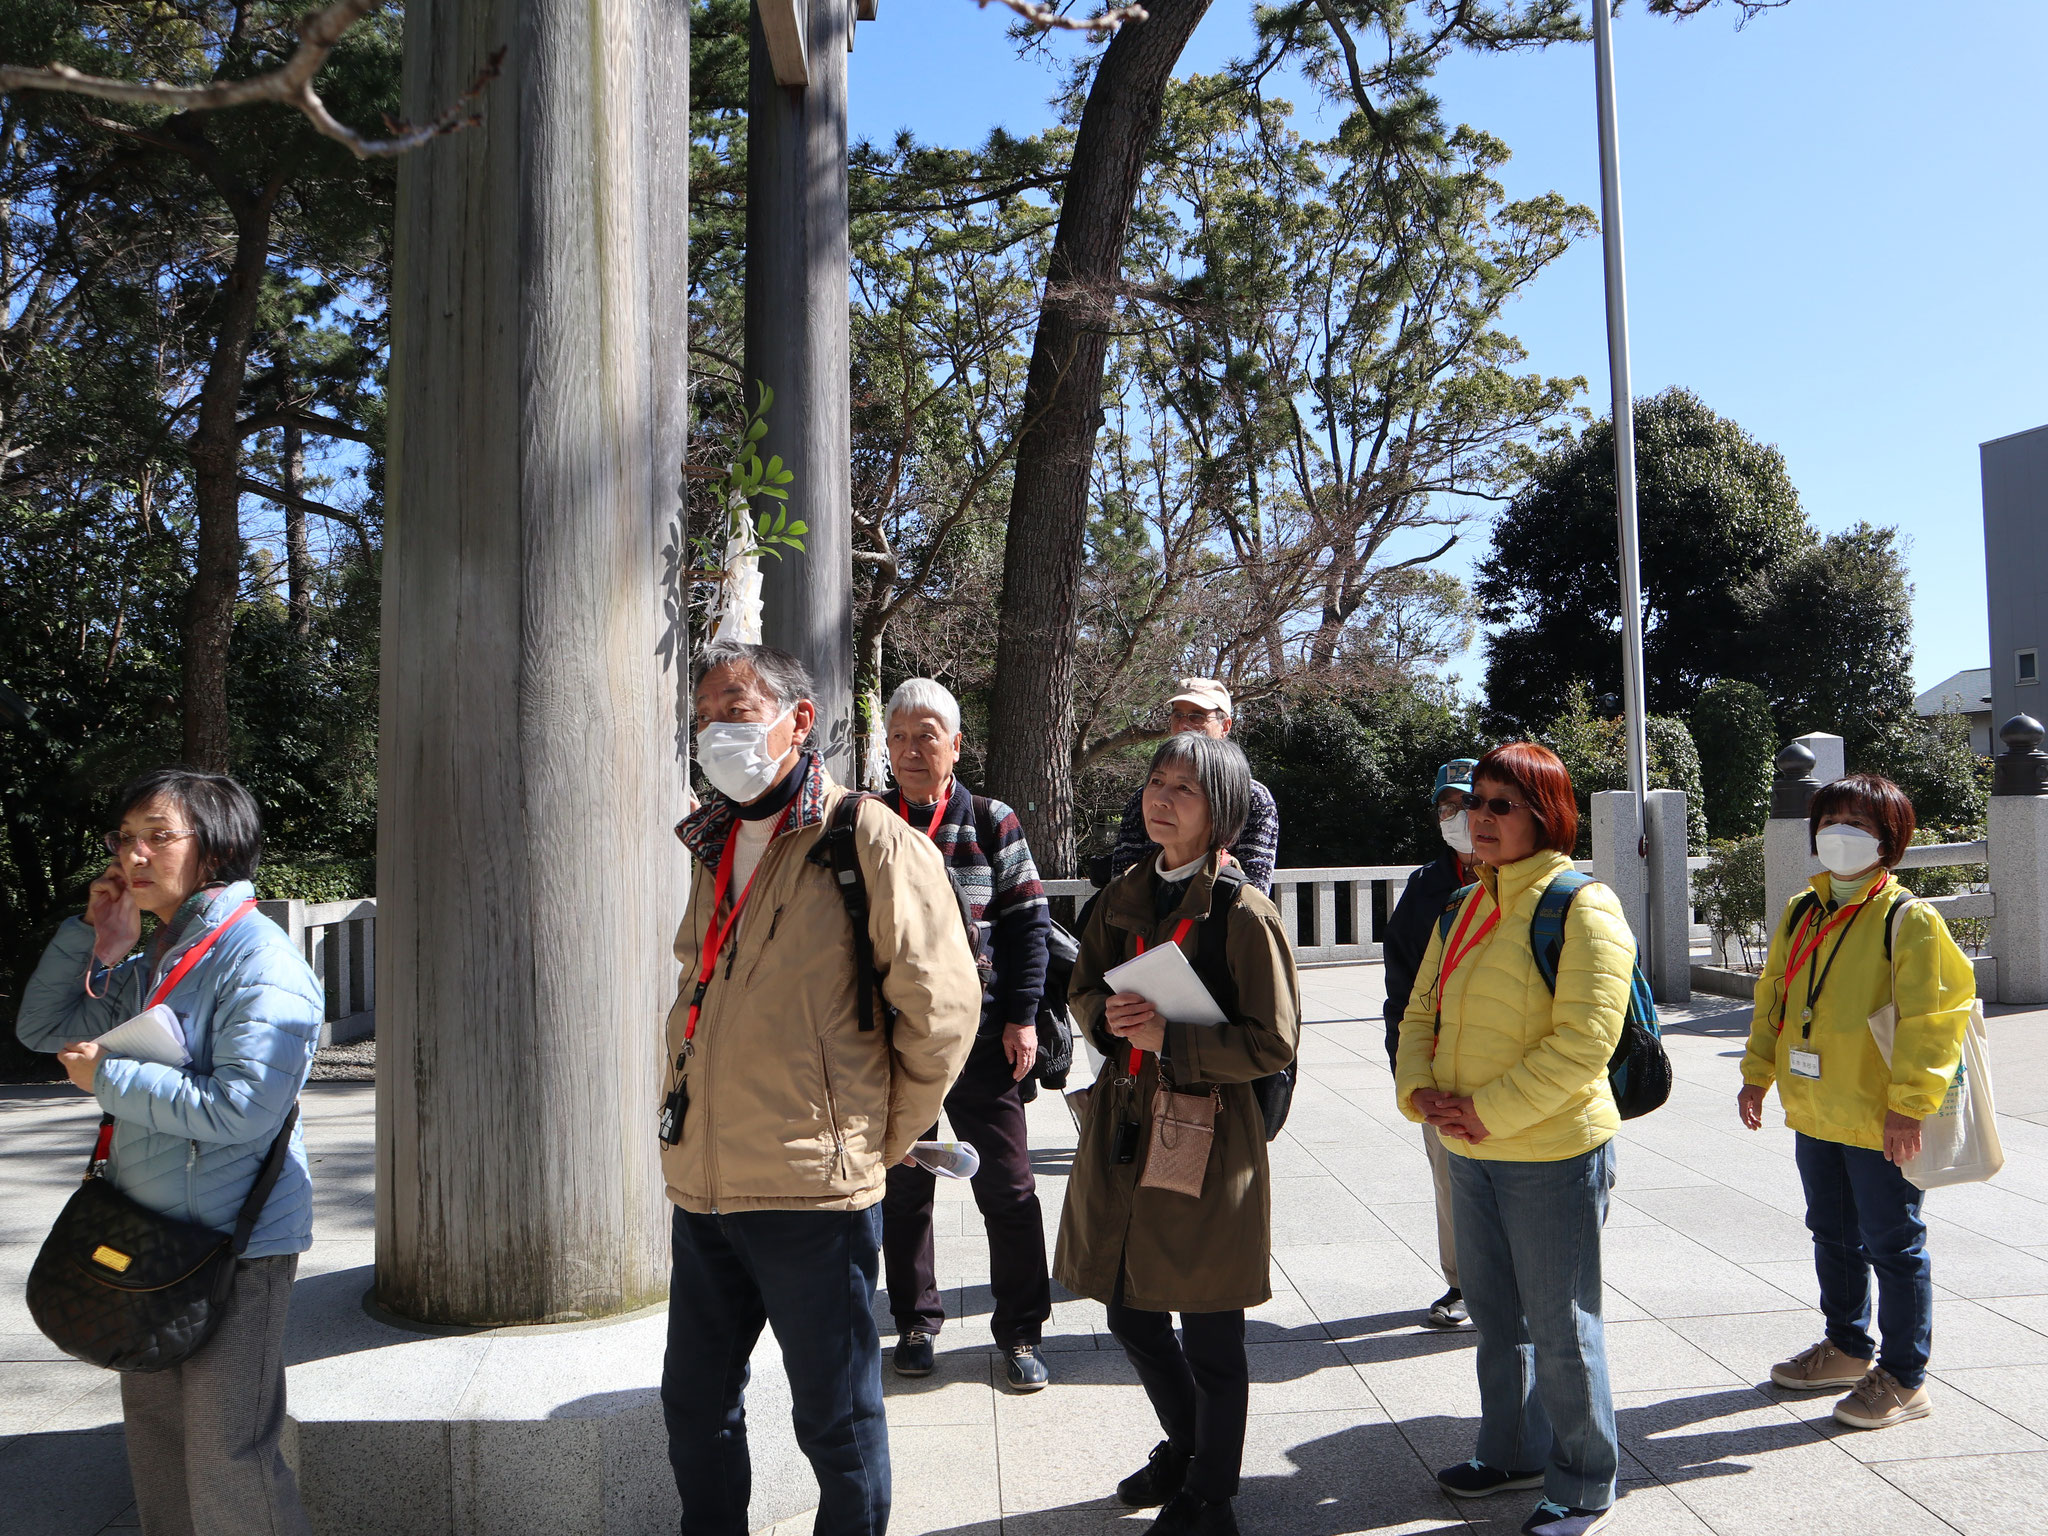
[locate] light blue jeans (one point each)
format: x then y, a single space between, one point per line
1529 1262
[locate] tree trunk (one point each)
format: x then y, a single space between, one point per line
1031 710
298 559
216 455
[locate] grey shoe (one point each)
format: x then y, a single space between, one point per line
1025 1371
913 1353
1448 1311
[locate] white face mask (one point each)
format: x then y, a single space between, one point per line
1846 851
734 756
1458 832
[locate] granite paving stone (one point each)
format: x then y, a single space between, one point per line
1354 1404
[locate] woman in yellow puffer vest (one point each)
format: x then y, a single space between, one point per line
1515 1081
1857 1119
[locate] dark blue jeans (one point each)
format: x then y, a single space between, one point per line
1864 1214
809 1275
1528 1239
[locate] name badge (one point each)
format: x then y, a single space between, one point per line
1806 1064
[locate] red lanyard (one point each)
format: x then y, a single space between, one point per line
1453 954
715 932
190 958
1180 933
195 954
938 812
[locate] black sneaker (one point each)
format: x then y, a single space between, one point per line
1448 1311
1475 1480
1187 1513
913 1353
1026 1372
1549 1519
1157 1481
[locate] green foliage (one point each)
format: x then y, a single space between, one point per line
316 879
1730 895
1352 779
1732 727
1594 751
1716 510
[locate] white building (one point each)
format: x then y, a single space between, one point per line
1968 693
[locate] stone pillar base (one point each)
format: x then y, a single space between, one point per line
542 1431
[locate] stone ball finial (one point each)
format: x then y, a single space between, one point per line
2022 768
1796 761
1793 788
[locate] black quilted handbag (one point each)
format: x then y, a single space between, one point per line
120 1286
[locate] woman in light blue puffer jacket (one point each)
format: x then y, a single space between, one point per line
188 1141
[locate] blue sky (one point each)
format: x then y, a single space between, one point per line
1837 219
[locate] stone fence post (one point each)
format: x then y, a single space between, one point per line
1801 769
1664 946
2017 853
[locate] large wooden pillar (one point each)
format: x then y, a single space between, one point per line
796 341
530 755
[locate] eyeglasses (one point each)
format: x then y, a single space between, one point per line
156 839
1446 808
1192 716
1496 806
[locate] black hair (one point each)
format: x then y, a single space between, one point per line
222 814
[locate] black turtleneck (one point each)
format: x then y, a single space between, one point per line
771 804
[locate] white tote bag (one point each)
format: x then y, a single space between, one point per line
1959 1141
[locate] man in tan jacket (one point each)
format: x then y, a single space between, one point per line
784 1108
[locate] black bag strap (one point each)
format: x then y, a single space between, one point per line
1212 941
266 1181
836 853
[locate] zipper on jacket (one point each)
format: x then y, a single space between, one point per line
774 922
832 1112
192 1180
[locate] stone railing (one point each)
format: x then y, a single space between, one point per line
1336 916
339 940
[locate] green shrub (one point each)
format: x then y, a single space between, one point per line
1729 893
316 879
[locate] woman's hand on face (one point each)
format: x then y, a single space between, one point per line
1901 1138
80 1060
1749 1104
1131 1018
111 912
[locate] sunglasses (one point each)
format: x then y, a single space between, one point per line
1495 806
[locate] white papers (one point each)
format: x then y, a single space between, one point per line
1163 977
153 1035
948 1159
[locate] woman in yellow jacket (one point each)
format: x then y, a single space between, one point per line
1514 1079
1857 1119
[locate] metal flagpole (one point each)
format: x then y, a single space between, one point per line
1652 945
1624 416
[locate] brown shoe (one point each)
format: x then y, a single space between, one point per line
1822 1368
1880 1402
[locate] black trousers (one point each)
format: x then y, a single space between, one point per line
984 1109
1199 1385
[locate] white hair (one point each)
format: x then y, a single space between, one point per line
923 695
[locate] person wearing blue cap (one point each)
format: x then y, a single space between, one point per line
1407 936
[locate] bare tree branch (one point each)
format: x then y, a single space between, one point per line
1045 19
284 498
293 416
290 84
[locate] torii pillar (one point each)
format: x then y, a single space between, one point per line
796 333
530 757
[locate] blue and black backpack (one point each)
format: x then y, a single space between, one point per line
1638 1072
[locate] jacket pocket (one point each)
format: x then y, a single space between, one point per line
833 1126
774 922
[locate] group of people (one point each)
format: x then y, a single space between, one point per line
854 968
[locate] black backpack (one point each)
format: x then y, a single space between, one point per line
1211 960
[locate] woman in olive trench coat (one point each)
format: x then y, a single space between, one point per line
1150 1252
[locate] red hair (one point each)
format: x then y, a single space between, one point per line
1544 787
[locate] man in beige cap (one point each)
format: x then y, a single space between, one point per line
1203 704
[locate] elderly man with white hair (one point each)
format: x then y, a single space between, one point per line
991 866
